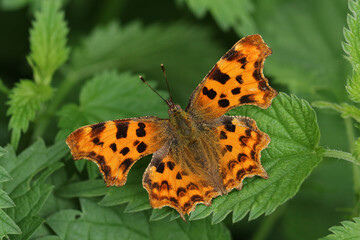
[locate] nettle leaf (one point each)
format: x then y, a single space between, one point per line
48 41
348 230
304 37
290 157
132 192
26 99
351 47
27 188
139 49
228 14
108 96
112 223
7 225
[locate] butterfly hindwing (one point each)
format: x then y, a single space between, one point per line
168 184
236 79
116 145
241 143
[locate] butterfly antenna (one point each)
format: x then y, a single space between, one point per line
142 79
167 82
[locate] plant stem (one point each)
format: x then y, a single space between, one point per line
356 169
340 155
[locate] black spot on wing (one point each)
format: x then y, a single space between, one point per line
209 93
243 62
263 86
257 74
140 132
232 54
192 186
246 99
181 191
229 148
230 127
224 103
96 141
240 174
223 135
113 147
125 151
122 128
96 129
126 164
196 198
141 147
242 157
239 79
235 91
178 176
170 165
219 76
160 168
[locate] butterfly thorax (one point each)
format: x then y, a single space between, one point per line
181 122
195 147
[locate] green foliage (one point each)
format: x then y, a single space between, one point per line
307 57
348 230
48 52
351 47
346 110
27 188
25 100
111 223
109 95
289 159
135 47
48 41
228 14
7 225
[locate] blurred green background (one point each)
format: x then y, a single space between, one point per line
189 36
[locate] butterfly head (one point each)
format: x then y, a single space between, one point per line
173 108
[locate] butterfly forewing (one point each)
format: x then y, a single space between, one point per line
236 79
116 145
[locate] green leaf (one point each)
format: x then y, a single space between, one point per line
48 41
7 225
305 36
89 188
351 47
291 156
111 223
109 96
25 100
228 14
348 230
28 190
132 192
139 49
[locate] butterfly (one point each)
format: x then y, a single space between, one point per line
198 153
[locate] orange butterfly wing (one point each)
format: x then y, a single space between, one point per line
235 80
116 145
241 143
168 184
